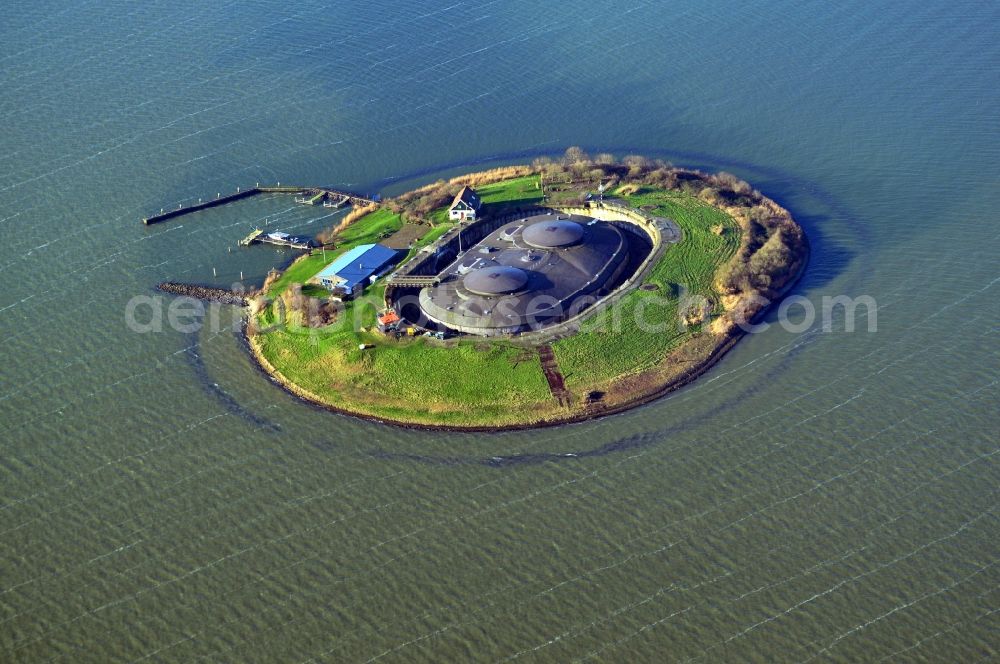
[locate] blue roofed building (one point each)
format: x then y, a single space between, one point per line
357 268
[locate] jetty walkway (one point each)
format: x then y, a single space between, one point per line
277 238
311 195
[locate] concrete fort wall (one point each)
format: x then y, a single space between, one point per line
623 217
660 232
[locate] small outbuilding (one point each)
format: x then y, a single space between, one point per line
465 206
355 269
386 320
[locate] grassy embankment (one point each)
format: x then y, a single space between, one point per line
614 344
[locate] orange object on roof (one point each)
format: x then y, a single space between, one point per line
388 318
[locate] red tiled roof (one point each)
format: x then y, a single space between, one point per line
388 318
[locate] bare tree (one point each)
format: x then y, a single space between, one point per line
575 155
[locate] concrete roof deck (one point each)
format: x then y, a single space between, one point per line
586 257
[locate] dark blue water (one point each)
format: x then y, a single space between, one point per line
817 496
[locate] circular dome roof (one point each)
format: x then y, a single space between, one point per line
498 280
553 234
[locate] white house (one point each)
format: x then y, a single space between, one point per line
465 206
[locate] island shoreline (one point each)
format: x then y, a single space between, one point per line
736 294
263 365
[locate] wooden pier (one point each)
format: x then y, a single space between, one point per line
311 198
290 241
250 239
282 190
332 198
314 194
347 197
258 236
330 203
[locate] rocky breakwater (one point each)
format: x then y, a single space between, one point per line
209 293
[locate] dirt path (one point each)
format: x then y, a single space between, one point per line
402 238
552 374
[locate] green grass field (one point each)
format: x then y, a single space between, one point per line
484 383
370 228
414 379
436 231
519 191
647 325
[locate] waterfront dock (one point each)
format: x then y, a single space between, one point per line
311 198
258 236
332 198
250 239
331 203
281 190
311 195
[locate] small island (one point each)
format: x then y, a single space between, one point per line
526 296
